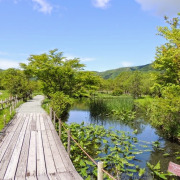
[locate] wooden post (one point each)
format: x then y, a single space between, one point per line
4 120
60 126
13 106
54 119
5 102
50 113
10 110
69 142
1 104
100 172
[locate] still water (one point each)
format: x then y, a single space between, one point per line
145 132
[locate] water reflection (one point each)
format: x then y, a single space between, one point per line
145 134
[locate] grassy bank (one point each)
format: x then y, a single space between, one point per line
5 94
9 116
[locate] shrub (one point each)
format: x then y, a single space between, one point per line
60 103
165 111
117 92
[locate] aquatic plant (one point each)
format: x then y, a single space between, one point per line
116 149
120 107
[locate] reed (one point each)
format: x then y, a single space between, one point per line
122 107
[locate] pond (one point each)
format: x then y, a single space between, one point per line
145 134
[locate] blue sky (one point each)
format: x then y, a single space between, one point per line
104 34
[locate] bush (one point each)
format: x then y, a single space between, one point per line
165 111
60 103
117 92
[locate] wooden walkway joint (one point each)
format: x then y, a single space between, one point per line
32 150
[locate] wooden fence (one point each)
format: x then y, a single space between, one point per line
8 102
99 165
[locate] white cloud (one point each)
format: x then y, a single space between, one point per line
161 7
43 6
82 59
101 3
86 59
126 64
8 63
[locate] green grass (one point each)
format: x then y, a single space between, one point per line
37 93
5 94
143 103
120 106
8 116
121 103
45 105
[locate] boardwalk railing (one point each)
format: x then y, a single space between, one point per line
8 102
99 165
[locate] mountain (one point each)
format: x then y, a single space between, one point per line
111 74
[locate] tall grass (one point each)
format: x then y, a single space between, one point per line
122 107
120 103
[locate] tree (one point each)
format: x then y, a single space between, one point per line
16 82
57 73
136 84
167 58
165 110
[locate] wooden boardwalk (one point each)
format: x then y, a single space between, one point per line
31 148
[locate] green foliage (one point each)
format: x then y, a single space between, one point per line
136 84
117 92
5 94
112 74
58 73
164 111
119 107
168 55
16 82
6 112
156 171
116 149
143 104
60 103
45 105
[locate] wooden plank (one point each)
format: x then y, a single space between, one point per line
5 141
13 123
66 176
50 166
59 164
31 166
76 175
54 177
31 178
47 119
33 123
30 121
43 177
38 122
22 164
6 158
19 178
42 123
10 172
66 160
41 166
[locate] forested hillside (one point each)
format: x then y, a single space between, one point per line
111 74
